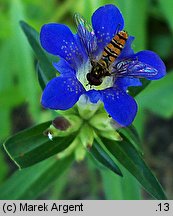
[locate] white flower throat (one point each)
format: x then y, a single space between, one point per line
82 77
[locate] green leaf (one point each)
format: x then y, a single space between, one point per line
166 8
134 91
59 186
41 77
31 145
5 86
126 188
31 182
103 157
22 60
132 135
4 166
129 157
45 60
160 92
12 101
86 8
135 14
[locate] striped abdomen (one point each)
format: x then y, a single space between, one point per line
100 69
113 49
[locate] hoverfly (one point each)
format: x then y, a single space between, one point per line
111 51
101 68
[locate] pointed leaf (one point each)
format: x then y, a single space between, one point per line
129 157
103 157
131 134
31 145
31 182
41 77
45 60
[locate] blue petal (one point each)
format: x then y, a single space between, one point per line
93 95
127 51
64 68
106 21
152 59
125 82
86 35
121 107
62 93
57 39
81 48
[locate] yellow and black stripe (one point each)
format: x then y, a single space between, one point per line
100 69
113 49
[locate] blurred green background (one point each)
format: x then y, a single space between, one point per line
151 22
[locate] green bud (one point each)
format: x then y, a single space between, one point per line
76 142
102 123
80 152
74 123
86 135
113 135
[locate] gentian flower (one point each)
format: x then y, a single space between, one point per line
77 51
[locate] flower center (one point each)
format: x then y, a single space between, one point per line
82 77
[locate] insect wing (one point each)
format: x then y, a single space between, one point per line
86 34
134 68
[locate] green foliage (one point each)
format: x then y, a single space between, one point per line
29 183
126 188
46 71
132 135
18 85
32 146
166 8
161 94
127 155
24 69
135 15
103 157
4 166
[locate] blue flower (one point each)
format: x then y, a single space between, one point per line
77 53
